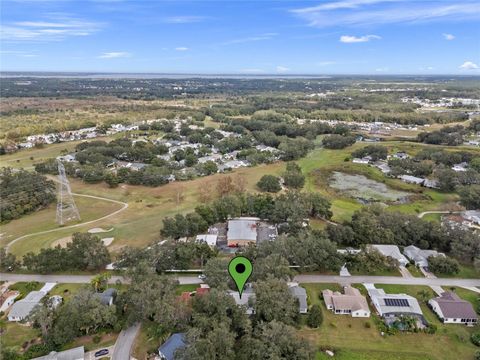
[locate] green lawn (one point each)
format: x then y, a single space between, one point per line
15 335
350 338
25 287
67 290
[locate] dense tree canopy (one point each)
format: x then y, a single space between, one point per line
22 192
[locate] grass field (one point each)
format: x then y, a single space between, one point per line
15 335
140 224
351 338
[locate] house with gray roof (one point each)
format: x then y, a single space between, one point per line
174 342
419 256
451 309
247 300
242 231
77 353
21 309
300 294
391 251
108 296
392 307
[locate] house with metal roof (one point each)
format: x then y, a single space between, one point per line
419 256
391 251
174 342
209 239
352 302
242 231
392 307
451 309
22 308
77 353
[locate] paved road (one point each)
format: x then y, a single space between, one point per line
124 345
81 279
422 214
396 280
124 207
184 280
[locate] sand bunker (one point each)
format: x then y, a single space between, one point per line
107 241
98 230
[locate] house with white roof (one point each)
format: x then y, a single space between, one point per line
209 239
419 256
392 307
391 251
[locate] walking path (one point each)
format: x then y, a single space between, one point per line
124 207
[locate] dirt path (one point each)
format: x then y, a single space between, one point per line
125 206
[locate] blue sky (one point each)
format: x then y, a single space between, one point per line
242 37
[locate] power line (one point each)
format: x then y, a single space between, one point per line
66 208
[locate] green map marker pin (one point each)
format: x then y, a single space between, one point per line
240 269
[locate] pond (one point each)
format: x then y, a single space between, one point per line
365 190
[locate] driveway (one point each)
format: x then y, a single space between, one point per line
91 354
124 345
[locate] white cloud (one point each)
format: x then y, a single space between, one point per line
354 39
58 27
181 48
282 69
115 55
469 65
448 36
183 19
261 37
378 12
382 69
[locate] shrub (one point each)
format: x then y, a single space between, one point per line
269 183
475 338
315 317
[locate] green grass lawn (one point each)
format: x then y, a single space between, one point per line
25 287
14 335
67 290
350 338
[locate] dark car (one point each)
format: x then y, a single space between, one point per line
101 352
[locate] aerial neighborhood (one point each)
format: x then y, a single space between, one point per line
126 202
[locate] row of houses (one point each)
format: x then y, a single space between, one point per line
449 307
410 254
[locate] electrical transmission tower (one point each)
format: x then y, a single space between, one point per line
66 208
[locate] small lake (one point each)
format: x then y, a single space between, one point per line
364 189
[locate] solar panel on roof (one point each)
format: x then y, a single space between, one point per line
397 302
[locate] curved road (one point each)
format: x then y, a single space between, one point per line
124 206
422 214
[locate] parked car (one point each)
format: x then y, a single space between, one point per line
101 352
202 277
